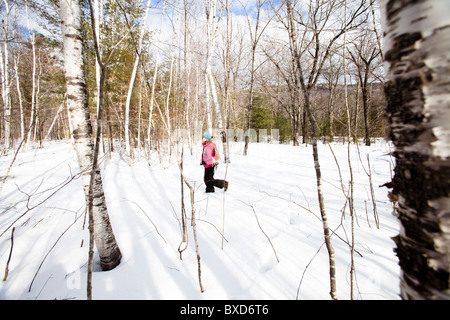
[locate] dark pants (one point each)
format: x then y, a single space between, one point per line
210 181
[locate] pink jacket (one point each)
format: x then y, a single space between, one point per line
210 154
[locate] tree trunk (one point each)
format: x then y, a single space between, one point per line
312 120
254 42
366 112
19 96
30 135
362 62
107 247
98 16
131 85
418 104
7 85
210 9
155 75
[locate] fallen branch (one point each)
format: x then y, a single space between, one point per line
156 228
259 225
309 210
292 201
217 229
58 188
306 268
54 245
10 253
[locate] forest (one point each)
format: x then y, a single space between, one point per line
228 65
107 100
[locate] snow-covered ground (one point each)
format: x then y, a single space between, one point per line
275 182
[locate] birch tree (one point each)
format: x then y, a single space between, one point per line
416 51
211 25
98 17
363 56
6 83
255 36
133 77
155 75
300 79
107 247
19 96
34 91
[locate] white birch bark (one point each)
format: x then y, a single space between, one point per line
210 9
416 51
186 76
168 125
107 247
98 18
55 119
133 78
19 95
33 79
7 85
155 74
38 90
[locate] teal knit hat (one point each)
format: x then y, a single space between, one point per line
207 135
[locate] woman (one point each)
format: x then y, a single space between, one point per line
210 156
